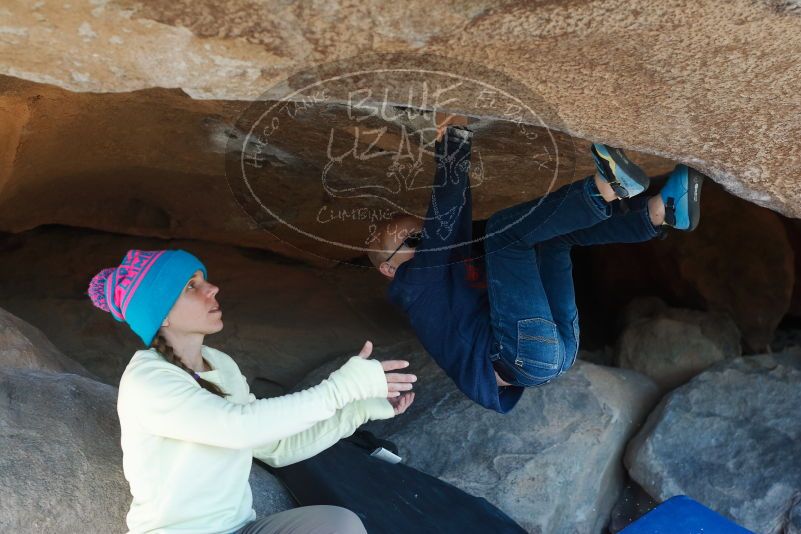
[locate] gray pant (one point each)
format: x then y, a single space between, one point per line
321 519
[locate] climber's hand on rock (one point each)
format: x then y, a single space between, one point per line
444 119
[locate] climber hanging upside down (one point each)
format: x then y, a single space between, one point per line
521 329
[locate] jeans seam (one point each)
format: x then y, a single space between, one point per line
539 338
548 340
504 218
521 370
497 334
547 218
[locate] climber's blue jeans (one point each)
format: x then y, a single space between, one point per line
533 313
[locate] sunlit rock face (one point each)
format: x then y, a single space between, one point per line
713 84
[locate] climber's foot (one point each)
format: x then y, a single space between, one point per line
626 178
682 197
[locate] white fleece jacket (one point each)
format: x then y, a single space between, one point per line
187 453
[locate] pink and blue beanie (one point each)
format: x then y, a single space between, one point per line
143 288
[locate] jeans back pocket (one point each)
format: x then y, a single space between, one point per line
538 351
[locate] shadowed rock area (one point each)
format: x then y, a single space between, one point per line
679 79
157 163
646 344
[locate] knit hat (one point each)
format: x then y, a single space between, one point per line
143 288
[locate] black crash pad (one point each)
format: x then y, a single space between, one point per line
389 498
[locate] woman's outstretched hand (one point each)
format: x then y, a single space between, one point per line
396 382
399 404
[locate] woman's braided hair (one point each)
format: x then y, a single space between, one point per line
164 348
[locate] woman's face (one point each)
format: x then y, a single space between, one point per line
196 311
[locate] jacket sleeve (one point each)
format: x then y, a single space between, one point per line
167 401
324 434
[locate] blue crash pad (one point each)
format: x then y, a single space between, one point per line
682 515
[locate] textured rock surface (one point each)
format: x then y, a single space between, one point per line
673 345
61 467
731 439
678 78
534 462
269 495
25 346
794 522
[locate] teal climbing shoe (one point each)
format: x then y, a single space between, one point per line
682 197
626 178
